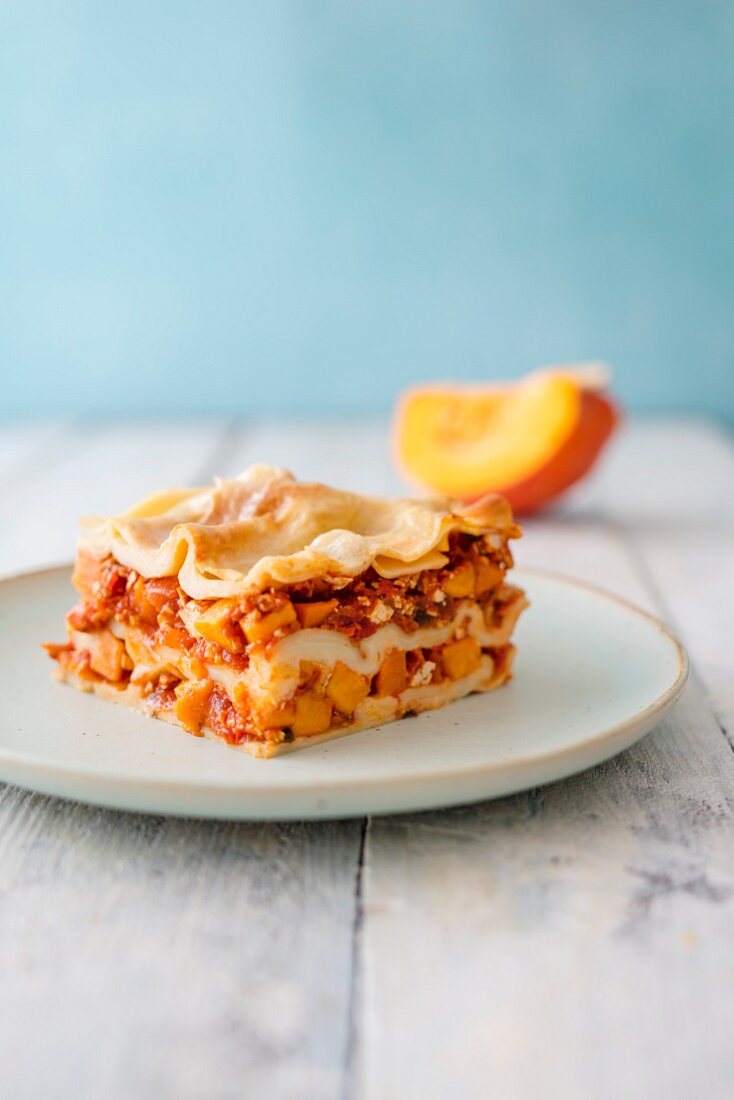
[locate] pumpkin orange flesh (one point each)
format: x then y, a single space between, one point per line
529 441
599 417
465 441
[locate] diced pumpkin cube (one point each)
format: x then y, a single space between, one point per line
147 610
279 717
266 717
172 637
241 700
488 575
259 630
192 699
313 614
82 668
346 688
461 581
151 595
392 675
215 625
461 658
313 715
197 668
105 655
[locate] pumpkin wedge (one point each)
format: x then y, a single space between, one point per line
529 440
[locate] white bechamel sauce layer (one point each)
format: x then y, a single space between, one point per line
275 676
278 674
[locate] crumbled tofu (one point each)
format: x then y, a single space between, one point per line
380 613
423 674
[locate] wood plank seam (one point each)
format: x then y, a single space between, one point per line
356 964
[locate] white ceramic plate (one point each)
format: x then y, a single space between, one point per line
593 674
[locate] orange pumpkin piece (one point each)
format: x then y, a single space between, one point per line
215 625
259 630
313 614
461 582
106 655
346 688
192 700
146 609
313 715
488 575
198 668
461 658
392 675
279 717
175 639
529 440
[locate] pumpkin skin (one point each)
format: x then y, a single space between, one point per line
598 419
530 440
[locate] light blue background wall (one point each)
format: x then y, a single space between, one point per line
255 205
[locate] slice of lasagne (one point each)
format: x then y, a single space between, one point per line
273 614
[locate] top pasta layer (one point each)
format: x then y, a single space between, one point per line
265 529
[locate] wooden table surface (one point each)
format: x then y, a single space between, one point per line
573 941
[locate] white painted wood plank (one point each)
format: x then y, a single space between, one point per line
92 468
665 494
680 524
573 941
21 445
146 958
351 453
593 551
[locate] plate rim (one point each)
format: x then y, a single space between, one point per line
311 787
